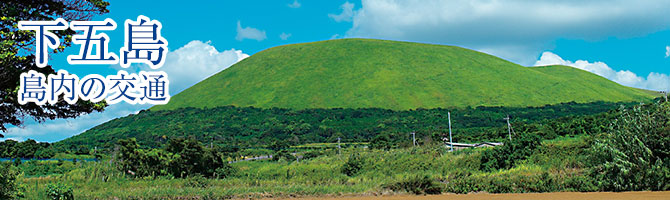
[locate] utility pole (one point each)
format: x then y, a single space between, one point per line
665 94
509 128
414 138
451 143
339 151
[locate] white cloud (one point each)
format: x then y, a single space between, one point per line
185 66
284 36
196 61
653 81
295 4
667 51
514 29
249 33
193 63
336 36
59 129
346 15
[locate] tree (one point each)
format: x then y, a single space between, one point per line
189 155
634 154
128 155
382 141
8 148
191 158
279 145
10 186
180 158
17 56
26 149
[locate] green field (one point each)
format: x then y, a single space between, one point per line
366 73
323 175
621 150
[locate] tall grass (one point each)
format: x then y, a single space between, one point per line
395 171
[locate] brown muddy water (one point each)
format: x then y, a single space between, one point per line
530 196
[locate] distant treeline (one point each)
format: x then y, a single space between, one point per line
242 127
25 149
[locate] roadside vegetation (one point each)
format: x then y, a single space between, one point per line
621 150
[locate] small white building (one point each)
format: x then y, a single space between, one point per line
458 146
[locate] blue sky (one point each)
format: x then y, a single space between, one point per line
624 41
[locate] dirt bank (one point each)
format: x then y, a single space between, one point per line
534 196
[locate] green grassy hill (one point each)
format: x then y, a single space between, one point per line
360 73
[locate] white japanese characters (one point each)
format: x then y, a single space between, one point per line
44 36
90 38
148 87
143 44
32 88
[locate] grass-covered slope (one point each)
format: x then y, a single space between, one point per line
359 73
576 82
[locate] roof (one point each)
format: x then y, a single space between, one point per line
483 144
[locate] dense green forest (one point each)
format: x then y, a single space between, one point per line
243 127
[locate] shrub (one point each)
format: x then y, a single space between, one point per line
17 161
226 170
10 188
581 183
506 156
417 185
283 154
353 165
312 154
196 181
59 191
